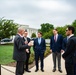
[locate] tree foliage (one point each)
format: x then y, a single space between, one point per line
74 24
46 27
48 34
7 28
61 30
33 35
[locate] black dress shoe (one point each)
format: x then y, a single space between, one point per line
60 71
36 70
42 70
28 71
54 70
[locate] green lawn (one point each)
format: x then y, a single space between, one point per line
6 54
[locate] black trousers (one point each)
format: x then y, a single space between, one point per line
20 68
27 61
41 56
75 69
69 68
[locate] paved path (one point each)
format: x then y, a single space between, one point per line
48 66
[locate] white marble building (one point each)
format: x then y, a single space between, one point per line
30 30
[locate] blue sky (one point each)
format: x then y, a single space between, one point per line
36 12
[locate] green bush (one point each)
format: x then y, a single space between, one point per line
31 58
47 52
33 35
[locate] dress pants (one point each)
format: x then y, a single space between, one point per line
69 68
57 56
75 69
20 68
41 56
27 61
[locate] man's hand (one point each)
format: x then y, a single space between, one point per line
62 51
26 42
32 42
29 44
50 51
63 58
27 50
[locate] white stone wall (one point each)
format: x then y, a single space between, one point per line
30 30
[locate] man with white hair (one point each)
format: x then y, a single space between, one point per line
19 53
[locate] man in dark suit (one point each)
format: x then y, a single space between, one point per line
75 69
64 43
70 50
27 40
19 53
56 48
39 49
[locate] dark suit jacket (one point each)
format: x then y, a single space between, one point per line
70 50
19 53
28 39
64 43
56 46
39 47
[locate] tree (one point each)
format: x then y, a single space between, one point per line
33 35
61 30
46 27
74 24
47 35
7 28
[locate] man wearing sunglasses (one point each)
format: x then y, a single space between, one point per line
70 50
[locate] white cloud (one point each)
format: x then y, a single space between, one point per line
53 5
36 12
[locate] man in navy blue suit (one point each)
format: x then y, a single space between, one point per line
39 49
56 48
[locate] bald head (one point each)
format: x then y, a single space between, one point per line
21 30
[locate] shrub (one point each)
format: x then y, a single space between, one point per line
31 58
47 52
33 35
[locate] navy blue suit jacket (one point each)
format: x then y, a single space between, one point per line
56 46
64 43
39 47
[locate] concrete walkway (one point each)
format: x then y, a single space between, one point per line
48 66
